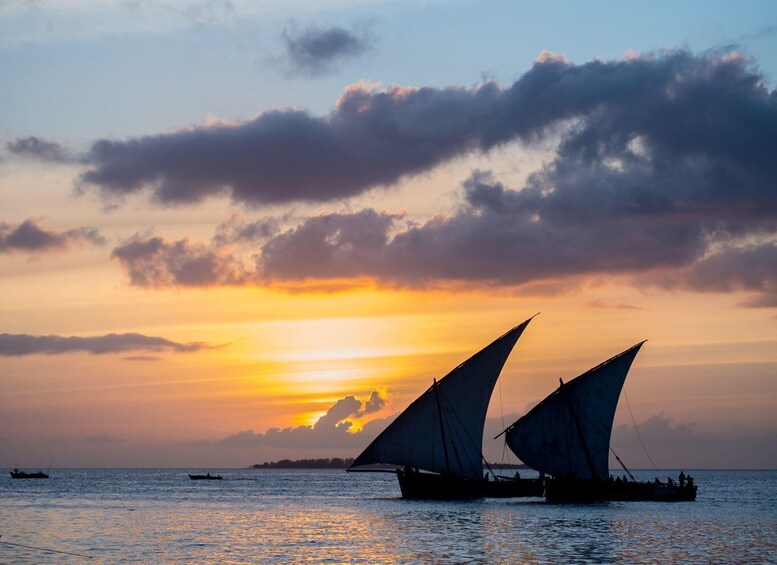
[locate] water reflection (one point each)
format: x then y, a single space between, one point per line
299 516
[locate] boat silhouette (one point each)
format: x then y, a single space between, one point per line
17 474
435 445
567 437
206 477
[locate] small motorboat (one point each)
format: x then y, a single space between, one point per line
17 474
206 477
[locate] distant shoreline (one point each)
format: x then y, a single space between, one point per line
325 463
338 463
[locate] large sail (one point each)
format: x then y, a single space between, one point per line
569 431
442 431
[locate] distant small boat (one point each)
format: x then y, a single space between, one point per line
17 474
206 477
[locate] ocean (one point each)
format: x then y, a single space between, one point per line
328 516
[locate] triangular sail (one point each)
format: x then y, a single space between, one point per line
442 431
569 431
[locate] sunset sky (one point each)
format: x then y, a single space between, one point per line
233 232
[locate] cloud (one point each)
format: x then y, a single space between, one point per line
316 51
37 148
674 445
692 122
374 403
663 167
329 246
141 358
156 262
236 230
333 429
31 237
17 345
748 268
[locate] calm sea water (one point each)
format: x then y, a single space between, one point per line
160 516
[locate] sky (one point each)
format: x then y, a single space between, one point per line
233 232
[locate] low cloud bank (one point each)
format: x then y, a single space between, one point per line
333 429
17 345
674 445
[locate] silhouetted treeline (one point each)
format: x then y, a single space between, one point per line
509 466
326 463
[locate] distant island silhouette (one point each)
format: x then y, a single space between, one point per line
339 463
325 463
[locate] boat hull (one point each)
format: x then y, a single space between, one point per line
205 477
23 475
447 487
584 490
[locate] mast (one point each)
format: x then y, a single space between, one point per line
544 438
414 438
442 427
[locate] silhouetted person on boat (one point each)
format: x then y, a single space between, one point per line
670 481
517 476
690 481
657 481
682 479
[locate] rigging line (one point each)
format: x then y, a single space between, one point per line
502 413
623 465
595 428
46 549
626 396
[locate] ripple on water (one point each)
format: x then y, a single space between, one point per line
333 517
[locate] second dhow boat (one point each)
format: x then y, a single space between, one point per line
435 445
567 436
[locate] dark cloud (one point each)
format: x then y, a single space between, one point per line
31 237
38 148
333 429
157 262
685 124
316 51
374 403
751 268
330 246
17 345
236 230
665 165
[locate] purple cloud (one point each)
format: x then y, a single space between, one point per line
17 345
663 162
157 262
315 51
697 122
41 149
31 237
